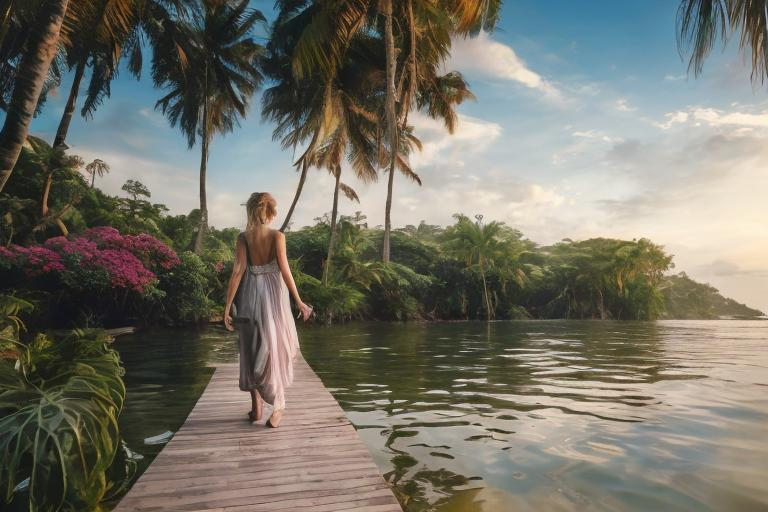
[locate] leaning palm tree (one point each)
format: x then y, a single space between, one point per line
299 108
103 32
17 28
210 89
701 23
330 33
28 84
478 245
49 24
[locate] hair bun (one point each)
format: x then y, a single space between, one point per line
261 208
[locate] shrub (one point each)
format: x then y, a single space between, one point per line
60 398
332 302
185 286
98 277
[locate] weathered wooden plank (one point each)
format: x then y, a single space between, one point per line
220 462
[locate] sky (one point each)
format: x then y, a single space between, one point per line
586 124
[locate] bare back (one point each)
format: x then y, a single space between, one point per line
262 245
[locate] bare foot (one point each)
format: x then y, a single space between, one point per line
274 420
256 414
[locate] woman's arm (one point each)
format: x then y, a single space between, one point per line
234 280
285 270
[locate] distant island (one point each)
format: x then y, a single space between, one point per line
687 299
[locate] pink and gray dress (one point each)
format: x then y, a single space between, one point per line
266 331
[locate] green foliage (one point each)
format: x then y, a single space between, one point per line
185 286
332 302
60 398
685 298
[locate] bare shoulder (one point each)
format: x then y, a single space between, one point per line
279 235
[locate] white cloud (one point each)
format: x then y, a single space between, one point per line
622 105
674 78
472 136
484 56
714 117
594 134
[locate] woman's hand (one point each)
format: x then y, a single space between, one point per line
228 320
306 311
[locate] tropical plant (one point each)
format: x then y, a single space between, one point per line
29 80
331 29
41 170
101 33
17 26
208 91
477 244
59 403
100 276
97 167
701 23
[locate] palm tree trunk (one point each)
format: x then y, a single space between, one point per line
203 169
30 78
299 187
46 193
334 213
5 12
203 200
93 178
389 41
601 304
69 109
405 108
485 291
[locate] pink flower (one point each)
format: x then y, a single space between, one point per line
146 248
127 260
218 266
36 260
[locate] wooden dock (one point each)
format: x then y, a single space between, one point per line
218 461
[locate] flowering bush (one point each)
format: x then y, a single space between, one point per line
97 276
148 249
100 258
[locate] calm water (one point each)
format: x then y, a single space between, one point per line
543 416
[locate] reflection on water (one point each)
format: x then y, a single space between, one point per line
558 415
516 416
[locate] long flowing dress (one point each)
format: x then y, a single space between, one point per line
267 334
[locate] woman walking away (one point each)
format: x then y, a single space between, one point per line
257 302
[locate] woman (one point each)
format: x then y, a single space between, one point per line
262 312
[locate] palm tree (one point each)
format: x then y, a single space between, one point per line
297 107
17 26
104 31
46 24
478 245
209 90
702 22
327 37
29 80
99 167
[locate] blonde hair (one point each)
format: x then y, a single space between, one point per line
261 208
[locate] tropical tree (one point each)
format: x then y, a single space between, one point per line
297 107
98 166
210 88
28 84
103 32
701 23
334 26
477 244
17 26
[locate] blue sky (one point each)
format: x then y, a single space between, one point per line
586 124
